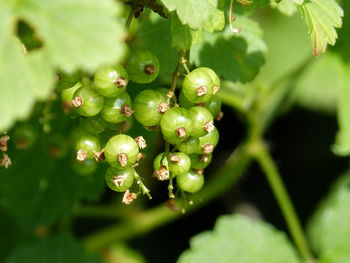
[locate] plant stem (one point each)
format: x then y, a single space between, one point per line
143 188
268 166
173 81
129 19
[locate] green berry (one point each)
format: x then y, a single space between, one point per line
200 161
119 180
149 105
214 77
202 121
161 167
198 86
24 136
67 80
179 163
121 151
214 106
111 81
142 67
93 125
190 182
184 102
86 147
188 146
176 125
208 142
87 102
85 167
117 109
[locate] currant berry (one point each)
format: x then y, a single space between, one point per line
190 182
111 81
119 180
87 101
200 161
176 125
149 105
67 96
24 136
117 109
184 102
189 146
86 147
142 67
85 167
67 80
202 121
208 142
214 106
121 151
179 163
214 77
198 86
93 125
161 167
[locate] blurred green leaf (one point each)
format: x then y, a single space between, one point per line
240 240
60 248
287 7
329 227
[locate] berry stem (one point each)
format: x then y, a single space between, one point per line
170 185
141 185
129 19
171 92
183 61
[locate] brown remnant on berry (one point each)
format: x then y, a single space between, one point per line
126 110
99 156
199 171
204 158
141 142
181 132
77 101
122 159
208 148
209 126
3 142
163 107
149 69
162 174
202 104
171 204
140 156
121 82
153 128
5 161
82 155
174 158
129 197
119 180
219 116
202 90
216 89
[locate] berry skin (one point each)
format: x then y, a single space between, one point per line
111 81
86 146
87 102
119 180
214 106
85 167
189 146
179 163
93 125
67 79
117 109
190 182
202 121
121 151
208 142
200 161
176 125
161 167
142 67
198 86
214 77
149 105
184 102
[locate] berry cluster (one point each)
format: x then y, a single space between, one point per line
186 123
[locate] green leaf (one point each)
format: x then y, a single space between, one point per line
319 85
329 227
287 7
342 144
192 12
182 36
235 57
60 248
321 17
240 240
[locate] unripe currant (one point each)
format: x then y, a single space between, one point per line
176 125
202 121
208 142
24 136
87 102
214 106
200 161
161 167
149 105
189 146
117 109
179 163
190 182
93 125
119 180
67 96
85 167
121 151
86 147
214 77
67 80
111 81
142 67
198 87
